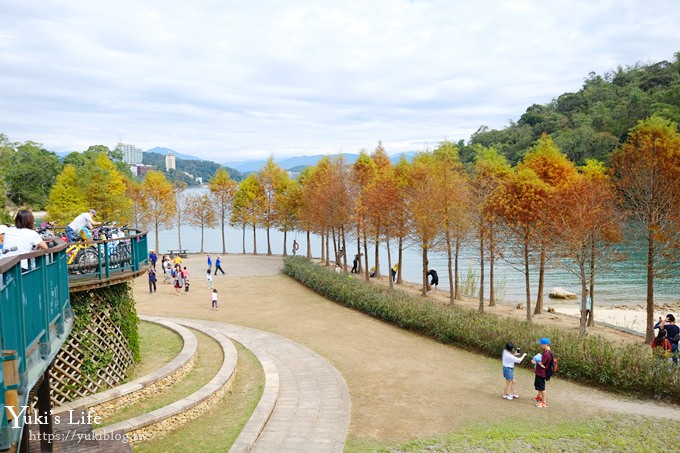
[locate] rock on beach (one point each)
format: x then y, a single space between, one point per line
561 293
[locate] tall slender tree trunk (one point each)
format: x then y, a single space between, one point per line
492 261
426 286
649 334
243 238
449 256
285 242
309 245
591 282
202 228
335 248
156 225
254 240
401 251
582 276
538 309
367 271
179 229
359 271
481 267
456 268
389 262
328 251
323 249
377 255
344 248
269 244
224 242
526 275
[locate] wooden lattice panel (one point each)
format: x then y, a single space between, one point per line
73 372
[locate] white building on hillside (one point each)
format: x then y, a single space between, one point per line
169 162
131 154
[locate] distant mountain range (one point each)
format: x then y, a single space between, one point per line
298 162
164 151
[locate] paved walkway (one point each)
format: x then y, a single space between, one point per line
312 411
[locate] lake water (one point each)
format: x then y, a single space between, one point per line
624 284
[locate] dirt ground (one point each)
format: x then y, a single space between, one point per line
402 386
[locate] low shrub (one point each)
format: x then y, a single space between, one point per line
629 368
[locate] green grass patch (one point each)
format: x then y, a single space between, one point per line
592 360
592 434
218 428
208 363
157 346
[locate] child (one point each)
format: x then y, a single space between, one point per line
509 360
186 286
209 277
214 299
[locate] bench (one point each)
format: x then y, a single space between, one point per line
181 252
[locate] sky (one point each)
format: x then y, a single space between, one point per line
232 80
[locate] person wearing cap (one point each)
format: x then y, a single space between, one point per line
541 367
83 220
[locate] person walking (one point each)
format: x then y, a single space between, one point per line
213 298
589 305
163 261
178 282
355 264
394 271
209 277
209 264
509 358
153 258
218 266
541 368
167 272
434 278
151 272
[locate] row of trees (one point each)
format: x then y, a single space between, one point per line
543 210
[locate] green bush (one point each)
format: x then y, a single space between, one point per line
593 360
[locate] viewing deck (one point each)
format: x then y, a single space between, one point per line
36 316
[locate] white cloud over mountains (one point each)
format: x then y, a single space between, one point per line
230 80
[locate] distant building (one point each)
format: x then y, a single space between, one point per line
140 169
169 162
131 154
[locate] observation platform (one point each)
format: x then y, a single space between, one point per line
36 319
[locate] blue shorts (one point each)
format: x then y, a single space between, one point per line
508 373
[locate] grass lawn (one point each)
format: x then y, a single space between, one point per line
208 362
216 430
589 434
157 346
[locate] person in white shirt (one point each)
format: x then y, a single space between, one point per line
510 358
23 236
83 220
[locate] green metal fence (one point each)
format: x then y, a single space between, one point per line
35 320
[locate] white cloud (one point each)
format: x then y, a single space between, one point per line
231 80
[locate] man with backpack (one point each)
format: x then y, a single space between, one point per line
544 370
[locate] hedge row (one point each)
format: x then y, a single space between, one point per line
629 368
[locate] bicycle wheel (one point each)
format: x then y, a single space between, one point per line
88 260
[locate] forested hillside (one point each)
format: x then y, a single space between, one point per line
593 121
203 168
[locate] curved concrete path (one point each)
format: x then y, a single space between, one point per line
312 410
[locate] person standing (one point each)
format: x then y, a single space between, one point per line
153 258
209 264
509 359
672 333
178 282
394 271
163 261
218 266
355 264
296 246
541 367
209 277
214 299
434 278
151 272
86 219
589 305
